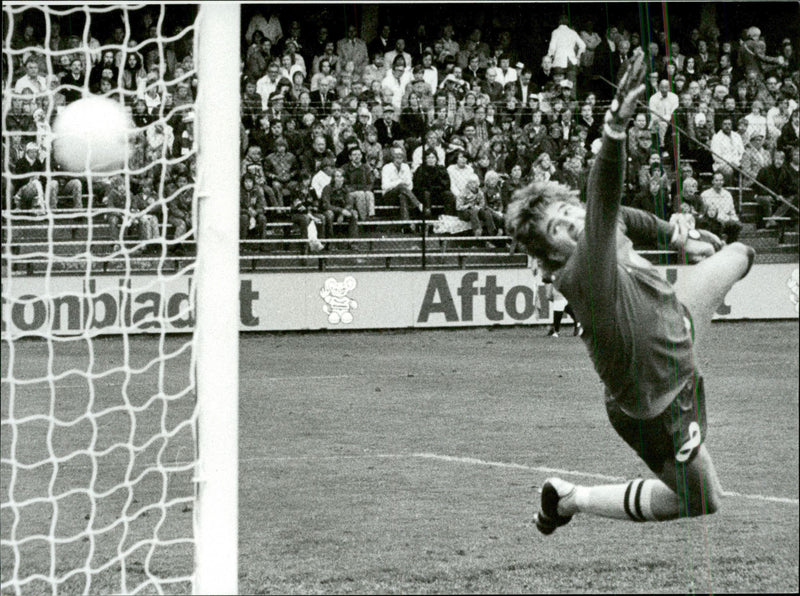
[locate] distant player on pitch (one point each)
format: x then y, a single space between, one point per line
641 332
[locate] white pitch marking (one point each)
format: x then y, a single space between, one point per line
508 465
730 493
498 464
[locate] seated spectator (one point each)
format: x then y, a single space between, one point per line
718 212
433 143
31 190
413 122
376 70
689 201
387 128
309 215
754 158
790 133
280 168
775 177
397 184
395 82
336 199
522 156
493 192
542 169
459 173
727 148
654 198
471 206
115 200
433 184
373 152
145 215
359 180
252 213
756 121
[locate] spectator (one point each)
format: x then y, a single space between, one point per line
280 168
505 73
252 213
727 148
352 49
494 195
662 105
32 79
336 199
790 132
107 62
450 46
776 178
359 180
756 121
689 202
180 214
323 97
471 206
754 159
395 81
382 43
74 82
267 85
566 48
317 47
752 56
472 73
399 50
375 70
419 42
308 214
491 86
328 56
388 131
777 117
542 169
29 192
397 184
432 179
718 213
474 50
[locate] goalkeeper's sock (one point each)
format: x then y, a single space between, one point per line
629 501
557 316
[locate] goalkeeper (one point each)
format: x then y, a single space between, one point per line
641 332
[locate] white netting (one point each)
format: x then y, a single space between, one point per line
98 422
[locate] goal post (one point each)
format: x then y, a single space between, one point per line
217 334
120 304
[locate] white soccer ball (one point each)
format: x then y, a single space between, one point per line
92 134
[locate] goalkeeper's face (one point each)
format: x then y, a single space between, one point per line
562 225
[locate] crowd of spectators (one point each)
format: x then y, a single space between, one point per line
335 127
153 77
450 124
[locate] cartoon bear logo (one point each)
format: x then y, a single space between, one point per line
794 288
337 303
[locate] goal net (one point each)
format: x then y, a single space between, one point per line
120 305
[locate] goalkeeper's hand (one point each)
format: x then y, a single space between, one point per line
700 245
630 88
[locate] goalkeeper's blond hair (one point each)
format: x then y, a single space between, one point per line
525 212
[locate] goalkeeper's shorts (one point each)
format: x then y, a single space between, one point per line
676 433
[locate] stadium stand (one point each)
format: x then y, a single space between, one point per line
336 131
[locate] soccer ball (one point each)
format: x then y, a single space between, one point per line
91 134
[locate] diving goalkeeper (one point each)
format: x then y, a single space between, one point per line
642 333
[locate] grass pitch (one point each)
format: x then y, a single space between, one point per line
407 462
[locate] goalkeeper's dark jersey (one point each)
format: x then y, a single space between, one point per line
636 330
